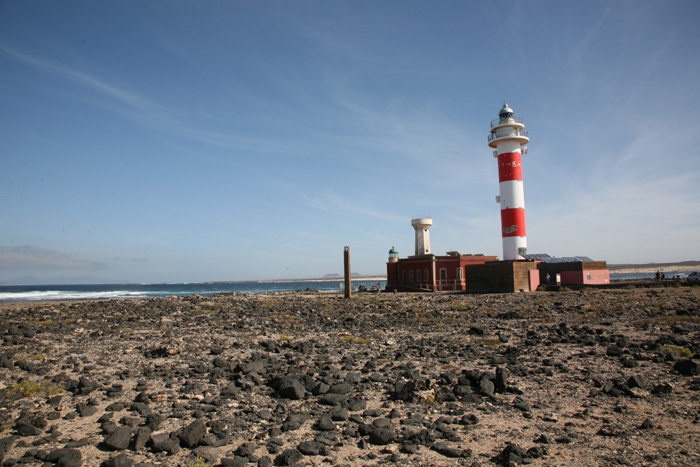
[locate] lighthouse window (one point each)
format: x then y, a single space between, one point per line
418 275
410 275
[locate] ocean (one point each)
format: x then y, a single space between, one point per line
645 275
32 293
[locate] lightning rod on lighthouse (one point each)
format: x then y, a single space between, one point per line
508 136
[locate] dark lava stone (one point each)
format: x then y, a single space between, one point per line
515 454
154 420
537 452
66 457
142 436
486 387
332 399
447 451
162 442
355 405
193 433
342 388
404 390
325 423
119 439
246 449
288 457
663 388
381 423
382 435
636 382
310 448
25 429
469 419
501 382
647 424
339 414
119 461
687 367
291 388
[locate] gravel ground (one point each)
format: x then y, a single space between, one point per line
593 377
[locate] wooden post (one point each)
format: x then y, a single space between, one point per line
348 283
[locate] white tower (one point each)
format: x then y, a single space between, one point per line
507 136
422 226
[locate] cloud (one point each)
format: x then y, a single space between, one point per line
339 205
28 257
130 260
142 111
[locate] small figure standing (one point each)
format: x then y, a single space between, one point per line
658 275
548 278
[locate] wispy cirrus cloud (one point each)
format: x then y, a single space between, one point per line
333 203
140 110
59 69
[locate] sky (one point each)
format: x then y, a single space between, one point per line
192 141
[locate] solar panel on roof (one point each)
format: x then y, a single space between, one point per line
536 256
545 258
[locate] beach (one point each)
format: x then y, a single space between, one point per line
576 378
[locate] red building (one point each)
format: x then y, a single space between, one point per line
571 270
431 273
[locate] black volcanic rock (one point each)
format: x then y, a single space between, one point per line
382 435
119 439
291 387
193 433
687 367
66 457
122 460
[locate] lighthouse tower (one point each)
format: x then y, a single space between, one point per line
507 137
422 227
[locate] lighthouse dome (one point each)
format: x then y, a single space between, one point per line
506 112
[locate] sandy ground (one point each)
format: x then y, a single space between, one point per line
571 378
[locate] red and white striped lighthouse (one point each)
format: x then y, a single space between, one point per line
507 136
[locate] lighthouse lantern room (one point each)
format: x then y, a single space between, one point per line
508 137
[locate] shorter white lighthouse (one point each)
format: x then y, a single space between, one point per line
422 226
507 136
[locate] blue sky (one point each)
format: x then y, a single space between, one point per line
168 141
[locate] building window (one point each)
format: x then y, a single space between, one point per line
443 274
410 275
460 274
403 274
588 275
418 275
426 275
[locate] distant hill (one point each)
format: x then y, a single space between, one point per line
682 264
340 276
59 280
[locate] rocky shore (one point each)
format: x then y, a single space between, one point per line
592 377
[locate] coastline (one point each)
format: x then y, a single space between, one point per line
315 279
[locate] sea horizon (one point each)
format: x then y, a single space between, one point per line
76 292
94 291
